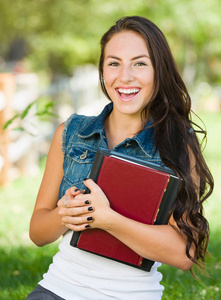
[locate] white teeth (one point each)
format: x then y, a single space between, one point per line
128 91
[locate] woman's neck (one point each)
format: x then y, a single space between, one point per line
119 127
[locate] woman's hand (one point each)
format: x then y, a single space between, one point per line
73 212
80 211
100 206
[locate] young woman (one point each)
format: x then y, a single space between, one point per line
139 76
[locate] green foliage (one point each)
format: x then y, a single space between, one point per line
44 109
63 34
9 122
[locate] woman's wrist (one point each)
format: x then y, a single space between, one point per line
110 221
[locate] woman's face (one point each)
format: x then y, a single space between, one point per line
128 72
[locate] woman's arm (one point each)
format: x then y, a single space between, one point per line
46 226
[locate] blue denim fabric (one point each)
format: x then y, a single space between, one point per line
83 135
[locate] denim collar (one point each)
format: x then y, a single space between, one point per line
145 138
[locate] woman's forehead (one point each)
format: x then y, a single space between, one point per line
126 42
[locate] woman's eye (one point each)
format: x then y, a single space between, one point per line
113 64
140 64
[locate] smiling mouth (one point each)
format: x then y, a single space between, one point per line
128 94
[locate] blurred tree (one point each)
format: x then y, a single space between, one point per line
63 34
191 28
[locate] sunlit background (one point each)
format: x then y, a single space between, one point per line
49 52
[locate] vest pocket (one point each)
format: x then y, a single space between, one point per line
77 165
82 155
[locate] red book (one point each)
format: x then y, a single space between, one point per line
135 190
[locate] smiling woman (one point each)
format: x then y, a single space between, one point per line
128 73
149 117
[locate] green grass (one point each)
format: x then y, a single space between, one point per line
22 263
181 285
23 267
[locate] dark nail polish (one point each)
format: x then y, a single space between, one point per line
87 202
87 226
90 218
86 179
76 190
90 208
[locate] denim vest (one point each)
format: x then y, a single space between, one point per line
83 135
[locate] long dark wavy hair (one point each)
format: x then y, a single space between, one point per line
174 130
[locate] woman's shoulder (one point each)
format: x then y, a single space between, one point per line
70 128
77 121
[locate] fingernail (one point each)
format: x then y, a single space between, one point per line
87 202
90 208
90 218
86 179
87 226
76 190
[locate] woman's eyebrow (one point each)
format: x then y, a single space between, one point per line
134 58
113 57
140 56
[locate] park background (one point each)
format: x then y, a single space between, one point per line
48 69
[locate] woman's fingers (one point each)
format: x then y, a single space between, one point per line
66 202
78 223
93 187
73 208
75 213
72 192
81 227
96 193
78 220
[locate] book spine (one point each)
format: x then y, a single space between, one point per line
99 157
139 261
167 202
98 160
147 265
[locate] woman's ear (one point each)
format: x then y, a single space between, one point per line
103 79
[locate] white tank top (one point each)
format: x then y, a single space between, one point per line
79 275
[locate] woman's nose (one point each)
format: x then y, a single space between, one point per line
126 74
